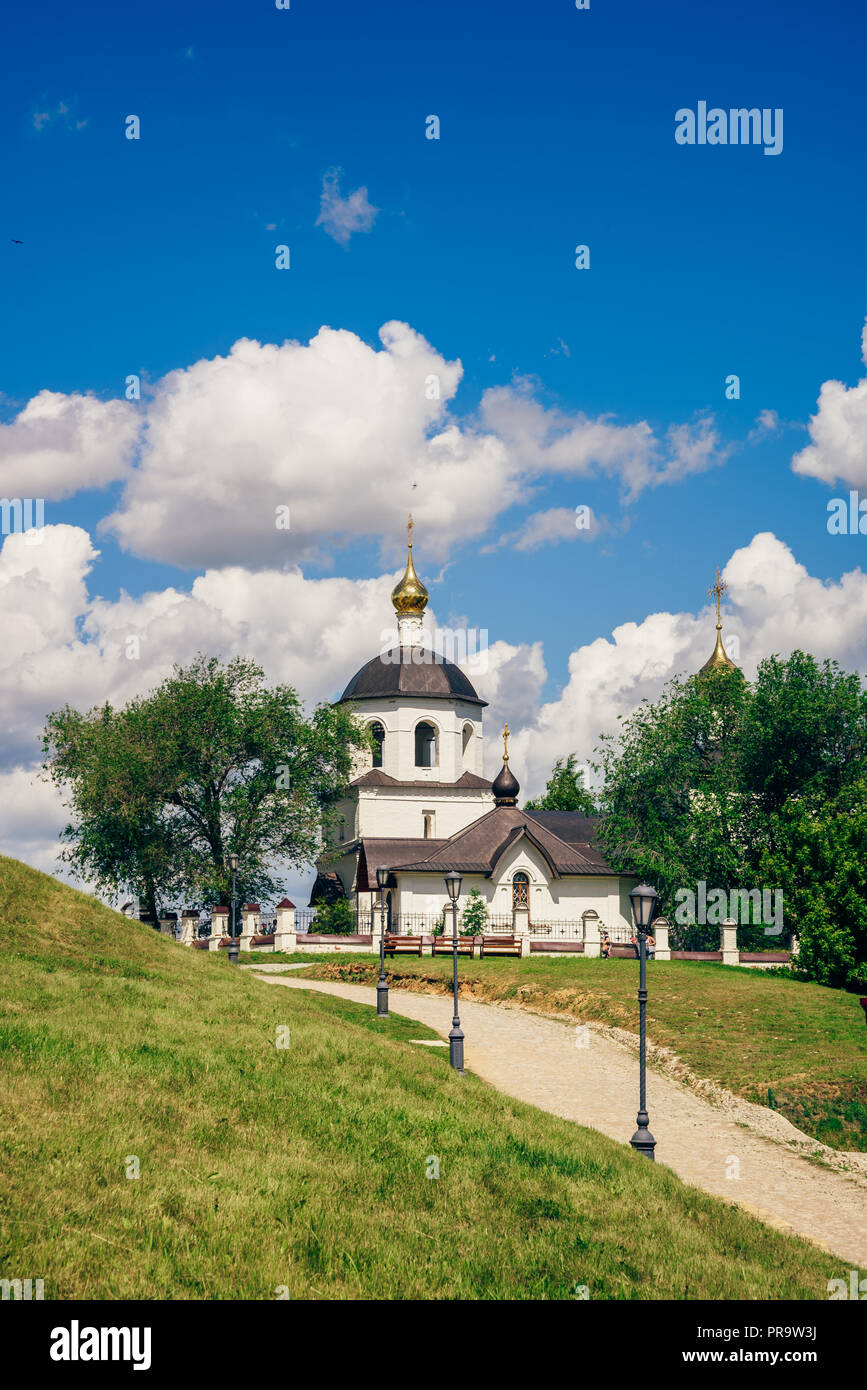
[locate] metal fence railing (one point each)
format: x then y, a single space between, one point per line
558 931
620 933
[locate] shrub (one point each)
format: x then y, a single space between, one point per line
334 919
475 915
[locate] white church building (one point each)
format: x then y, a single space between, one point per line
420 806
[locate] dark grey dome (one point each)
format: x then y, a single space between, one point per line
505 787
396 673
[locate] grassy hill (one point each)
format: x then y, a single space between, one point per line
752 1032
304 1168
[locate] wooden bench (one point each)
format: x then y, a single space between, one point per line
444 945
402 945
500 946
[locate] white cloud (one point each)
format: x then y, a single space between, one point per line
342 217
349 438
335 430
337 437
551 527
62 113
58 445
838 432
554 441
767 423
512 684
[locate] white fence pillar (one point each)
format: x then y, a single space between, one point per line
285 938
728 942
378 925
592 933
659 931
521 928
168 924
249 925
189 927
219 927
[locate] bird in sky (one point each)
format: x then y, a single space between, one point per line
16 242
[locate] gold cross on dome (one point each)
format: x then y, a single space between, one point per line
717 591
409 528
506 744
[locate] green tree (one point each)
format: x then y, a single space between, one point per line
211 762
334 919
118 836
745 785
474 917
565 790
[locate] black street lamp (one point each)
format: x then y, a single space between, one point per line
382 986
233 943
456 1036
644 900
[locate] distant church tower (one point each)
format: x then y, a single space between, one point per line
718 660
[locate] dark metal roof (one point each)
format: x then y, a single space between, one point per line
377 778
390 852
479 847
396 673
578 831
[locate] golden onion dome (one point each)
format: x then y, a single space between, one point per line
718 660
409 596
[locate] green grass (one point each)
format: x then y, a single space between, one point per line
746 1029
305 1168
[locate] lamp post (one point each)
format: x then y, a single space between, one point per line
643 900
233 943
456 1036
382 986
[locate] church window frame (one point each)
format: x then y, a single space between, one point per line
520 890
377 729
467 735
431 746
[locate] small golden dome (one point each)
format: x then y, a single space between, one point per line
718 661
409 596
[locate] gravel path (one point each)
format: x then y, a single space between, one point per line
582 1075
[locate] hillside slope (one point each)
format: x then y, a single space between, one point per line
306 1168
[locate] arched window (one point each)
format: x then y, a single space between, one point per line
378 740
428 822
467 740
520 891
425 745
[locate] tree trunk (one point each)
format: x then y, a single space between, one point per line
150 897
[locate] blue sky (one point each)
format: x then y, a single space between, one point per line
557 129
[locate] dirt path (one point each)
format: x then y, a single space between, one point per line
540 1061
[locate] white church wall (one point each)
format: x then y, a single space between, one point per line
347 812
621 888
401 814
399 719
426 893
